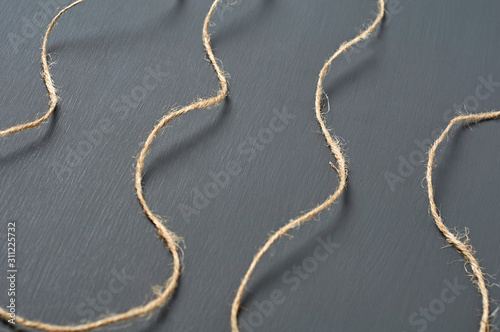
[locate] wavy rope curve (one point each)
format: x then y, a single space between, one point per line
170 238
462 247
341 168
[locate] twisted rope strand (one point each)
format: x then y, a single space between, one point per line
49 83
170 238
334 144
462 247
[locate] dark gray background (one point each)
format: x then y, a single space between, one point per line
73 231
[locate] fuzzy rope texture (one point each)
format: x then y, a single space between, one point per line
341 168
49 83
463 248
170 239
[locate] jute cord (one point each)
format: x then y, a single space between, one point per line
341 168
170 238
49 83
463 247
333 142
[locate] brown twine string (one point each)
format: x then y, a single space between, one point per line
335 147
463 248
49 84
170 238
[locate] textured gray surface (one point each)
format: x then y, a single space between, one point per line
75 228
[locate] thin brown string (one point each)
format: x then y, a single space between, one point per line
335 147
49 84
463 248
169 238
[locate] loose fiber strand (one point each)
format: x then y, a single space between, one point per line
333 143
461 246
169 238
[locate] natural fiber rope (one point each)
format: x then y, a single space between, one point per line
170 238
462 247
49 84
335 147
